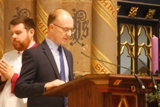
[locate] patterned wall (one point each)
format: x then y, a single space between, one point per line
95 29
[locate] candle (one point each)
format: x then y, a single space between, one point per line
155 62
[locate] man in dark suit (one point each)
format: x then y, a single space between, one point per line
41 67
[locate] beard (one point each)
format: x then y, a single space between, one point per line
21 45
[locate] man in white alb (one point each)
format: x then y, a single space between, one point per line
22 32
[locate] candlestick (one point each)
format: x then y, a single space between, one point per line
155 62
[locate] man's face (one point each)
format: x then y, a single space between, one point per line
62 29
20 37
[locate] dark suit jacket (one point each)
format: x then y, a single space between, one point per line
39 67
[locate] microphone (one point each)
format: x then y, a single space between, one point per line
154 83
140 83
153 80
107 62
136 76
143 87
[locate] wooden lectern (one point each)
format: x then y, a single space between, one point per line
104 90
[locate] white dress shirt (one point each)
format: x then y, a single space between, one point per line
54 49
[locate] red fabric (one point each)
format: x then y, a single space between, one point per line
34 45
13 82
15 76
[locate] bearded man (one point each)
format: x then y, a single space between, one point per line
22 30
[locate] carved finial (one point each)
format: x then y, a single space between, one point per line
133 11
118 8
150 13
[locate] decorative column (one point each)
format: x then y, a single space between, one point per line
81 11
1 27
104 44
44 7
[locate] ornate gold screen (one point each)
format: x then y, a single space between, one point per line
137 23
135 41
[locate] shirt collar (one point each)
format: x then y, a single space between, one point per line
31 45
51 44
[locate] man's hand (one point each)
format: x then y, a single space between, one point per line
6 70
2 78
54 83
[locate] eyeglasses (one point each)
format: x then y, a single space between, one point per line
66 29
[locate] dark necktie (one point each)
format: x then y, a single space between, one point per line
62 71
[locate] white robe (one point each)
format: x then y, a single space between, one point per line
8 99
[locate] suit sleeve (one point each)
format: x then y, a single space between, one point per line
26 85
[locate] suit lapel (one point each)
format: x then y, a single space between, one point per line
50 57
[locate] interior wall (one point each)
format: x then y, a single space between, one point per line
82 40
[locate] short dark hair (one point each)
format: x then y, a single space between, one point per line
28 22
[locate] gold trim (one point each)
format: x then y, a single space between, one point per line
118 8
150 13
41 23
117 81
101 67
131 46
147 47
124 100
1 36
133 12
1 47
107 12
